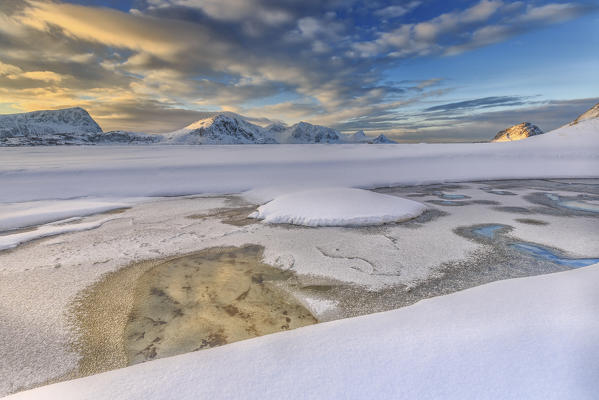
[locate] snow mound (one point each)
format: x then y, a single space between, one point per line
337 207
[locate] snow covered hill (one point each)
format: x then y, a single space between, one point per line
517 132
591 113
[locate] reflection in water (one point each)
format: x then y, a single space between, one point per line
545 254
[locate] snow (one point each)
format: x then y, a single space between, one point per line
154 170
225 128
591 113
522 338
13 240
337 207
66 126
19 215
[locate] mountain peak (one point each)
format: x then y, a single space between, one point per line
382 139
517 132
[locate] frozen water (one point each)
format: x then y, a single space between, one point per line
488 230
545 254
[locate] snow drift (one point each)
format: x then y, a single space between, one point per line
337 207
522 338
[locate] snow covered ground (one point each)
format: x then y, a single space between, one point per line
138 171
528 338
483 339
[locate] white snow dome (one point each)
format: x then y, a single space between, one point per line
337 207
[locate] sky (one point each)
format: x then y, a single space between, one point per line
417 71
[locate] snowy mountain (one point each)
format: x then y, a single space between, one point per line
591 113
382 139
124 137
517 132
304 132
358 137
224 128
69 126
66 126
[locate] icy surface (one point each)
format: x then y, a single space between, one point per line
337 207
18 215
35 338
523 338
12 240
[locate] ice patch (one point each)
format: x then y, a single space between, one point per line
19 215
337 207
318 306
10 241
542 253
488 230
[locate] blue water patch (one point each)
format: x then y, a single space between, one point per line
501 192
487 230
447 202
452 196
545 254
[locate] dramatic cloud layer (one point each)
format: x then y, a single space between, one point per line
157 64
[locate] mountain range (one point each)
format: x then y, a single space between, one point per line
74 126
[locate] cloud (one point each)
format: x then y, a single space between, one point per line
46 76
493 101
487 22
282 59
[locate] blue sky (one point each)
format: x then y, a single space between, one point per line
414 70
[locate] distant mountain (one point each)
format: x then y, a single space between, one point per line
358 137
591 113
68 126
124 137
224 128
517 132
382 139
304 132
74 126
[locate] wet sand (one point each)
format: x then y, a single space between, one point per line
161 308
